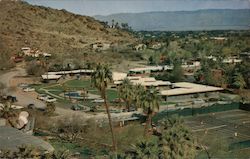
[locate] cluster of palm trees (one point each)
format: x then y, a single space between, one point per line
140 97
173 141
137 95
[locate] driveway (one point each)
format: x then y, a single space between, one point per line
24 98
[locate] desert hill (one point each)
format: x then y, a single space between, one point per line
51 30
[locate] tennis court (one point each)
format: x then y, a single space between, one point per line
231 126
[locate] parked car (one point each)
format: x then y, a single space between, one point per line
98 101
42 97
11 98
77 107
199 101
117 100
50 99
31 106
28 89
23 85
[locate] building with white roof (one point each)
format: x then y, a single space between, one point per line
182 89
144 81
51 77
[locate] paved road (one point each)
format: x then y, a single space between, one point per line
23 97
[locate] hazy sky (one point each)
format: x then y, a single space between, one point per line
105 7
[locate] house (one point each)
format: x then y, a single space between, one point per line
219 38
245 55
100 46
149 69
232 60
155 46
145 81
186 90
50 78
26 51
34 53
73 72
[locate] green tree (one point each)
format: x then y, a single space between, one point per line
138 95
100 78
50 108
145 149
6 110
177 140
125 91
150 105
238 81
177 74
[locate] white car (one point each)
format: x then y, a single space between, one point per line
98 101
42 97
28 89
50 100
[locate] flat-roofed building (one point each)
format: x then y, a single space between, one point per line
149 69
188 90
145 81
50 78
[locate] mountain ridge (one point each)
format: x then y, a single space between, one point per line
224 18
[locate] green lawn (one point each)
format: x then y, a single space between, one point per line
75 85
112 94
79 84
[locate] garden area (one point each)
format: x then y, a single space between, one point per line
59 90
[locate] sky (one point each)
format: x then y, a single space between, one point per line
106 7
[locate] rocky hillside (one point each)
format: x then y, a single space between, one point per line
51 30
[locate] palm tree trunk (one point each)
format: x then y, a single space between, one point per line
110 121
148 121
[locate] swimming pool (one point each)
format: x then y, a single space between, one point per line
73 94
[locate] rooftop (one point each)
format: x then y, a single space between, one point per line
51 77
182 88
11 139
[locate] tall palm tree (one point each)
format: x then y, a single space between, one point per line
138 94
145 150
178 141
126 92
100 79
150 105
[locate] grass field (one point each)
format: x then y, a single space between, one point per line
74 85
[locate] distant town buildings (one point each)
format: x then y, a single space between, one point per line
34 53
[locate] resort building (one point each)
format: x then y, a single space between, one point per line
183 90
149 69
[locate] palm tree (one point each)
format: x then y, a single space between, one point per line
138 94
6 110
145 150
100 79
150 105
65 89
177 140
126 92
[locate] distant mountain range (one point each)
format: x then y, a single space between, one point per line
211 19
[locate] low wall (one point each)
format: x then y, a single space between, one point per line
197 111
